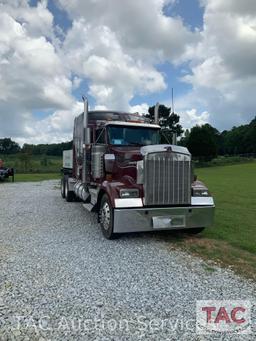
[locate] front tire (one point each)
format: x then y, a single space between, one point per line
106 218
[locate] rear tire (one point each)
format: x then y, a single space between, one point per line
106 218
62 184
69 195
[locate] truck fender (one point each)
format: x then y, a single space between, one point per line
110 190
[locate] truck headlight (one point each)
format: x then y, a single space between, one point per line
129 193
200 192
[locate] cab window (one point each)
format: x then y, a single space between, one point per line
100 136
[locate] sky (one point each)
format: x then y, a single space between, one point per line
124 55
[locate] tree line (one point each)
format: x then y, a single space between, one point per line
204 142
8 146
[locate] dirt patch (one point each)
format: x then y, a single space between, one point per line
220 252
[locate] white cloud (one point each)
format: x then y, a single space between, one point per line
190 118
37 21
139 108
115 47
141 26
31 72
245 7
32 75
53 128
115 76
112 45
223 67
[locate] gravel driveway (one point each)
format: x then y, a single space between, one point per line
61 280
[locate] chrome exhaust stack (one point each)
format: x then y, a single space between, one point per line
87 140
156 113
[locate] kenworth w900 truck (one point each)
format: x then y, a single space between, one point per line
118 168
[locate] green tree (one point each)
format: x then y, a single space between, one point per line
240 140
250 137
54 149
201 143
7 146
169 122
184 140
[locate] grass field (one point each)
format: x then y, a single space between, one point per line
232 240
33 167
33 163
36 177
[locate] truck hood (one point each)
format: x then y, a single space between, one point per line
163 148
136 153
126 157
127 153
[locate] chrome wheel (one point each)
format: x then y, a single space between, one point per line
105 216
66 190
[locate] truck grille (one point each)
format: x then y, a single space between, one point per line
167 179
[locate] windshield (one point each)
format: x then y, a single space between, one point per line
138 136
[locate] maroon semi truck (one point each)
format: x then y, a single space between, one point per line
119 169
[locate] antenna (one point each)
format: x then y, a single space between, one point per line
172 102
174 134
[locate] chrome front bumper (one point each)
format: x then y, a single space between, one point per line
165 218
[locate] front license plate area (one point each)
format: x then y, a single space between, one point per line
168 222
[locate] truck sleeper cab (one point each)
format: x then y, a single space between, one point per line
119 169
